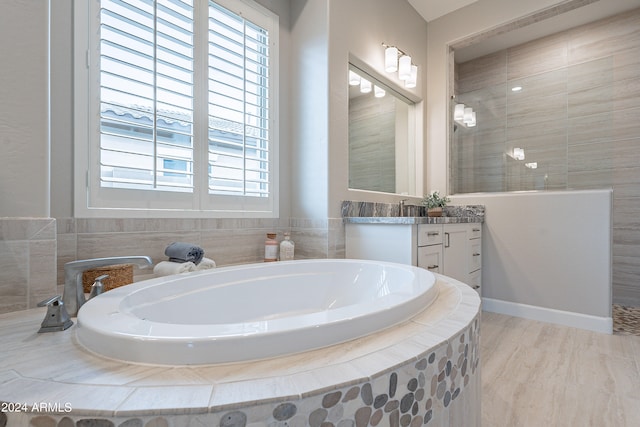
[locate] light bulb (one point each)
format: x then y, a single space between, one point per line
391 59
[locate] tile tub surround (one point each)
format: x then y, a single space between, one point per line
422 372
27 262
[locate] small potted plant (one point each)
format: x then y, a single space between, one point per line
434 203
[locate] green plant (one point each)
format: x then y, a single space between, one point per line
434 200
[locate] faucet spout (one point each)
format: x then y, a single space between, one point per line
73 295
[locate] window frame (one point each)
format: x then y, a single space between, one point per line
92 200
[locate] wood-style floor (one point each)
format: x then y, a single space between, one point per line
543 375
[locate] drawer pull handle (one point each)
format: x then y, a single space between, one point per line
432 267
476 230
476 287
476 254
433 233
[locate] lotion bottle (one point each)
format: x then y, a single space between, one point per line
287 248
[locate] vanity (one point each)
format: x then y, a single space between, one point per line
449 245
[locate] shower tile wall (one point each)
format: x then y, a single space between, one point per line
577 117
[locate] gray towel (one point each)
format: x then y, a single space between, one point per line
184 252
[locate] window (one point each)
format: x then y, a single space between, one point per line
178 96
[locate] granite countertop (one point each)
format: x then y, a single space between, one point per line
412 220
388 213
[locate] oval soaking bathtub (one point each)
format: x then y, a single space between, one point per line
251 312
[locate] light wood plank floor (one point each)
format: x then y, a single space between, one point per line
543 375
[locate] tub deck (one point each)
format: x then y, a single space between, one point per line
53 368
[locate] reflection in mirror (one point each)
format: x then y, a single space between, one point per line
381 136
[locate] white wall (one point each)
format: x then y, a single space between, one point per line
547 255
24 109
309 119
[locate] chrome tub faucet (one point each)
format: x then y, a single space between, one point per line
73 294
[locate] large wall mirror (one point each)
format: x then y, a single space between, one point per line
382 123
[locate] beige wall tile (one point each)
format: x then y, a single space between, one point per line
538 56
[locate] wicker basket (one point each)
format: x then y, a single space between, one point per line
119 275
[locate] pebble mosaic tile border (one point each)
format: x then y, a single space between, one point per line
626 320
418 393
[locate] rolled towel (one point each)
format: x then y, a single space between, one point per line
184 252
206 264
167 268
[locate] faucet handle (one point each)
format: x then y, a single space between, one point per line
50 301
57 318
97 288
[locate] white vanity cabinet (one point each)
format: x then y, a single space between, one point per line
454 250
430 254
462 251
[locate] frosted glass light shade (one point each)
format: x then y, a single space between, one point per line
472 122
518 153
404 67
458 112
413 79
354 79
378 91
391 59
468 114
365 86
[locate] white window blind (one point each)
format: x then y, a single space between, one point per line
184 115
238 105
146 94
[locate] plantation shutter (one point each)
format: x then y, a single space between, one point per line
146 94
238 105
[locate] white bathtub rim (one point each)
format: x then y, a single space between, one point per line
189 344
292 378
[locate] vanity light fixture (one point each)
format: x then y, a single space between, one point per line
354 79
391 59
365 85
532 165
464 115
518 153
413 79
397 60
378 92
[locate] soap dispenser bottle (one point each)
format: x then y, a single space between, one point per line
287 248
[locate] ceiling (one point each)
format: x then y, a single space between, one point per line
433 9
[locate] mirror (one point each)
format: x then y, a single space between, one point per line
381 136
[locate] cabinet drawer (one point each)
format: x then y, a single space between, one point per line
430 257
475 280
475 231
475 255
429 234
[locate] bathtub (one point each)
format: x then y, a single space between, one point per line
251 312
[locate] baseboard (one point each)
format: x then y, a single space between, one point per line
549 315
